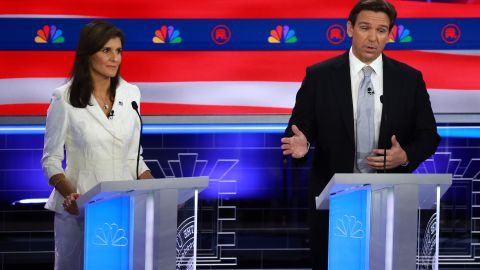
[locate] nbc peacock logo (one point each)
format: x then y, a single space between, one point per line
400 34
167 34
349 227
282 34
49 34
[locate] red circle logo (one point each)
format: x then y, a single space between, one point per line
221 34
336 34
451 33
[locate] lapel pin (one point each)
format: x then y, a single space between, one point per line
120 103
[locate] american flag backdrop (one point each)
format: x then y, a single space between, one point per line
232 56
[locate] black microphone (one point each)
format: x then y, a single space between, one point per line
384 115
111 114
370 91
135 107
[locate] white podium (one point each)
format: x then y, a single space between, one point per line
146 224
373 219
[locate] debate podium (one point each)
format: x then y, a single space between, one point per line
374 219
147 224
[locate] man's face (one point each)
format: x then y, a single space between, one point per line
369 35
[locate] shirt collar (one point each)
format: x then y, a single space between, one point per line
356 65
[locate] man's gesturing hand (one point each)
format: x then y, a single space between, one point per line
297 145
395 156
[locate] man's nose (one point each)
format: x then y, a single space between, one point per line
371 35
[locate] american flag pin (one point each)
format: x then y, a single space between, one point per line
120 103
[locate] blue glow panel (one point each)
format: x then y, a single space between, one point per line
349 231
107 235
458 132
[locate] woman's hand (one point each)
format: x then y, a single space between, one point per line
146 175
70 204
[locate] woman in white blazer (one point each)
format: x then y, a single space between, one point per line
92 118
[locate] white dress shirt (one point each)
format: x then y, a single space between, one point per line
356 76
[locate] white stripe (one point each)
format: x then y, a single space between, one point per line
455 101
28 90
455 52
264 94
268 94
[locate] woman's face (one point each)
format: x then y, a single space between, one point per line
105 62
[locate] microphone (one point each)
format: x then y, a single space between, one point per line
384 115
111 114
370 91
135 107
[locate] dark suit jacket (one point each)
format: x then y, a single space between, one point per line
324 113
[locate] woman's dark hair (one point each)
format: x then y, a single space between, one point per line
93 37
376 6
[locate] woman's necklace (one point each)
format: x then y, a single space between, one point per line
105 106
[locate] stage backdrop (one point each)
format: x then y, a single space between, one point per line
229 57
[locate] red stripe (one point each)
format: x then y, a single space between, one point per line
441 71
31 64
153 109
188 109
228 9
24 109
147 66
283 66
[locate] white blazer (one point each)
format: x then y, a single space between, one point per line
98 148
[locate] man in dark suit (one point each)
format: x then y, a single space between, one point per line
326 113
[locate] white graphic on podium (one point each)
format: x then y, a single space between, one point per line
349 227
110 235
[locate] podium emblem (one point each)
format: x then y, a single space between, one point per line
110 235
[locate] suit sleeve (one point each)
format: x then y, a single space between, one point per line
303 114
425 137
133 148
55 133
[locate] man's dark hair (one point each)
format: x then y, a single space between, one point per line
93 37
376 6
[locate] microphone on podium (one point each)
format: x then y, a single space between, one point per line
135 107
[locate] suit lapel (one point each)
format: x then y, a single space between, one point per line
389 85
343 90
119 108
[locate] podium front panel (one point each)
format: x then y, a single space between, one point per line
108 234
349 231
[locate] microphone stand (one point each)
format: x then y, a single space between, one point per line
135 107
385 119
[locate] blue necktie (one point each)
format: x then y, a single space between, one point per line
365 136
